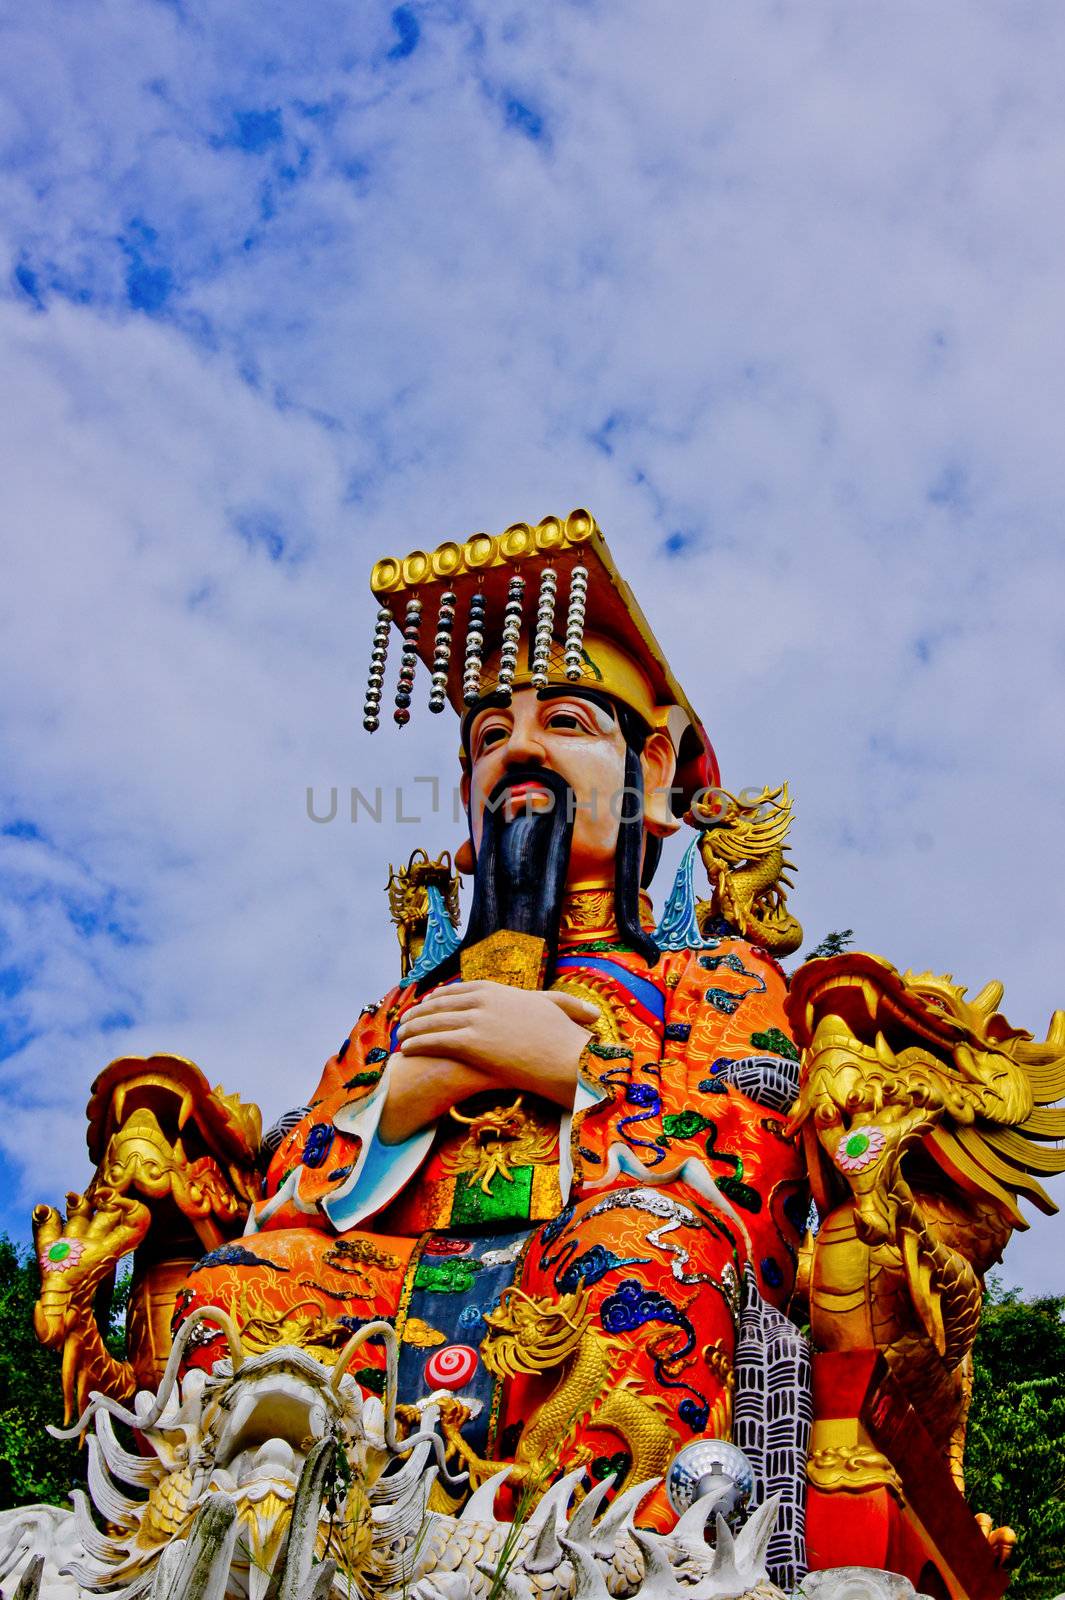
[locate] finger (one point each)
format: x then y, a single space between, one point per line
441 1000
468 986
438 1021
449 1043
47 1226
79 1214
582 1011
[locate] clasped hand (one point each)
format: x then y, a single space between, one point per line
466 1037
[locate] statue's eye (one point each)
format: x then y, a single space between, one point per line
566 720
487 737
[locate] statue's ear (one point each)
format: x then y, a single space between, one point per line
659 763
465 859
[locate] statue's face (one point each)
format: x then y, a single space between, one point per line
566 734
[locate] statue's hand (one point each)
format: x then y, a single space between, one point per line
523 1039
421 1090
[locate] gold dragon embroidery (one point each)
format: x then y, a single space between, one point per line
537 1334
498 1141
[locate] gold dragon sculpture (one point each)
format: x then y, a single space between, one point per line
408 900
925 1117
176 1169
743 845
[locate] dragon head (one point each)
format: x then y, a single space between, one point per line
533 1333
744 827
895 1062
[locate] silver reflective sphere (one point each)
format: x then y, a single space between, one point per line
708 1464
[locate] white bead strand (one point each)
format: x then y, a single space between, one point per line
545 627
578 600
508 655
471 666
371 709
445 622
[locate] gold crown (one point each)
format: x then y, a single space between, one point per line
541 605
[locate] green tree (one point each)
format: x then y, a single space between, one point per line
1015 1449
833 944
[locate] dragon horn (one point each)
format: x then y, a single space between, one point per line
1056 1031
657 1568
690 1531
989 999
367 1331
620 1512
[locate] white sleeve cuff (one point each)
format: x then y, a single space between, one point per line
382 1170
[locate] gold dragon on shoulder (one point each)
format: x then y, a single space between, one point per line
743 847
408 900
925 1117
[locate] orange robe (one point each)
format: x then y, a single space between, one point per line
640 1212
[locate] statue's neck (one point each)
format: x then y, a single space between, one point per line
588 912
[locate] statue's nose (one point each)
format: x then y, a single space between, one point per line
524 746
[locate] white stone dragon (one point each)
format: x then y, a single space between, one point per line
276 1478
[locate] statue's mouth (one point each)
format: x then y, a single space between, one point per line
869 998
526 796
279 1394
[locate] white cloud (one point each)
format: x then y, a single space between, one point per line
795 269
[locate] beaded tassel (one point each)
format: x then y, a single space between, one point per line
545 627
376 676
471 666
445 622
578 599
411 625
508 655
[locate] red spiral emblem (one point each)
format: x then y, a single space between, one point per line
451 1368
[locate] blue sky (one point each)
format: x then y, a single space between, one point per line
774 289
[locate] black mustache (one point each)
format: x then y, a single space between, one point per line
555 785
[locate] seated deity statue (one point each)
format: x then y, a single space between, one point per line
599 1209
557 1160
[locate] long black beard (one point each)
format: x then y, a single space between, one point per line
520 881
520 878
